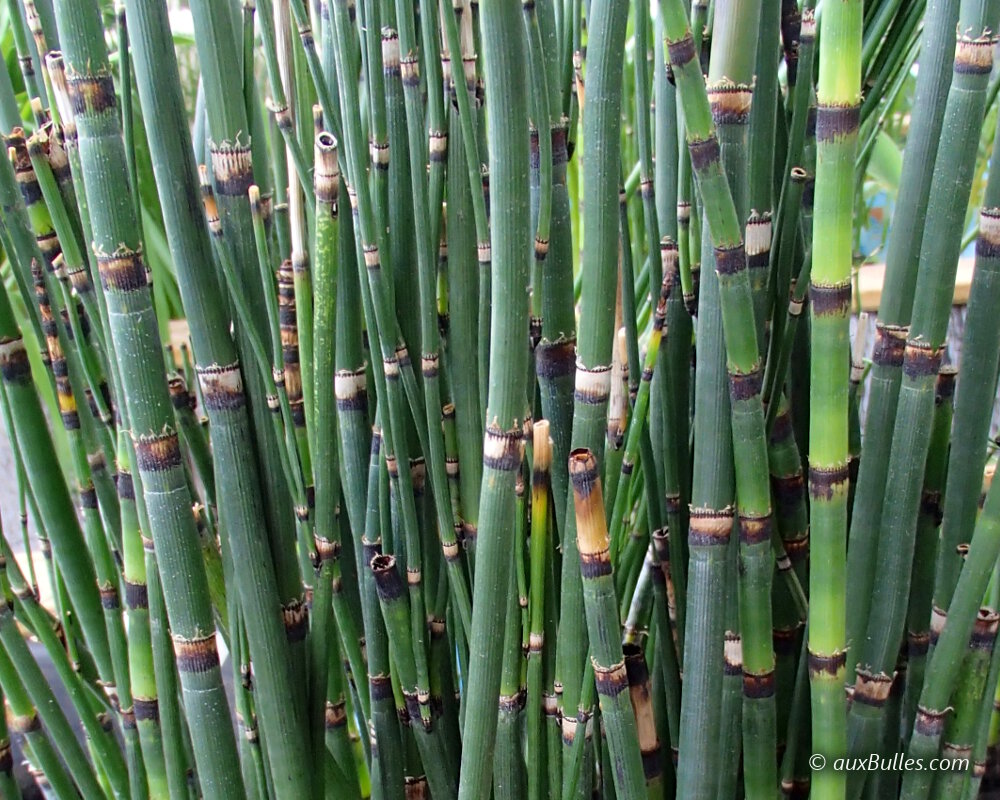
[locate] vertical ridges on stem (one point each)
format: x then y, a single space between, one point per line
838 96
503 58
922 354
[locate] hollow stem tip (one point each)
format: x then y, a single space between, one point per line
541 447
388 581
588 500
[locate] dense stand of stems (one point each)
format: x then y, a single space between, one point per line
528 218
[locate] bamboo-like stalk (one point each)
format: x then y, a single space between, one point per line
143 687
950 189
761 159
709 532
503 57
387 761
985 711
743 366
926 548
133 331
902 255
640 694
508 769
603 626
221 388
601 173
25 723
233 151
980 351
838 95
960 729
539 565
324 436
675 378
946 660
463 293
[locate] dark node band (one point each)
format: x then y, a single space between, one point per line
730 260
14 364
136 595
824 481
109 598
730 103
756 687
830 300
788 490
754 530
388 581
88 498
917 644
380 687
783 640
836 122
295 616
974 56
704 153
709 528
872 689
157 453
610 681
890 344
745 386
929 722
583 472
681 52
222 388
91 94
595 565
921 360
196 655
502 450
123 271
984 632
146 710
232 167
831 665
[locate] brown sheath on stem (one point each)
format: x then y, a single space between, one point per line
591 528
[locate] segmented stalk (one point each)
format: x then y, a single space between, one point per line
960 730
946 661
607 658
926 551
601 173
837 96
35 741
743 366
540 559
119 254
921 359
980 351
221 386
504 56
902 257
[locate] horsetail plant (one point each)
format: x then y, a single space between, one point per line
474 384
837 97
